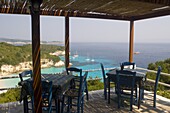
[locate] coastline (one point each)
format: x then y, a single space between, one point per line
7 70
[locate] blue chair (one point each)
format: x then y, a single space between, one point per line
46 95
73 71
156 86
127 65
125 80
76 94
124 64
105 80
27 73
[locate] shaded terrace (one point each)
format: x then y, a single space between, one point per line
97 104
126 10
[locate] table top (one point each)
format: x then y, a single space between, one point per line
112 73
61 82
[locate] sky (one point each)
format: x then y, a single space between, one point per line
155 30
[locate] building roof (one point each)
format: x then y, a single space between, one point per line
105 9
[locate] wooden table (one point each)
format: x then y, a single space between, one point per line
61 83
112 78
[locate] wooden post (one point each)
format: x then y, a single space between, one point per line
35 17
131 41
66 39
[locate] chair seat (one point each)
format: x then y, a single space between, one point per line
72 93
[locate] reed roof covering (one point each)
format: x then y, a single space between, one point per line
106 9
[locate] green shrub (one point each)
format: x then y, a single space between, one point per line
11 95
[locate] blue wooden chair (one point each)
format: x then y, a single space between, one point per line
124 64
105 80
27 73
46 95
127 65
125 80
155 86
73 71
77 95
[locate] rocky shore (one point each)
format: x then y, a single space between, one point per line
45 63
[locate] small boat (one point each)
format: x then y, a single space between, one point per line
136 52
87 59
75 55
92 60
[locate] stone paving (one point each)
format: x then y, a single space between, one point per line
97 104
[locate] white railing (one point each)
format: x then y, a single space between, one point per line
153 81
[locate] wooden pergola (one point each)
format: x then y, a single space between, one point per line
126 10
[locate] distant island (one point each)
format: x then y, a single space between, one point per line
24 42
18 58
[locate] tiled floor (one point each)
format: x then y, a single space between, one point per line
97 104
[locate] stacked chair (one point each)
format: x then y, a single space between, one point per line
75 96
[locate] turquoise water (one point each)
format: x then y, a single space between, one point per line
80 61
90 55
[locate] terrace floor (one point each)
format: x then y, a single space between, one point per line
97 104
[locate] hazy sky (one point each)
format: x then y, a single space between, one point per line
86 30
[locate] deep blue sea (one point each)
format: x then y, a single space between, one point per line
90 55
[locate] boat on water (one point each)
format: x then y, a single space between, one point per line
92 60
75 55
136 52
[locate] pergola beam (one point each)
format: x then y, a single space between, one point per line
152 15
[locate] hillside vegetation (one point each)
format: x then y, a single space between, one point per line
162 90
165 65
13 55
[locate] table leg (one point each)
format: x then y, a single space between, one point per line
108 90
57 104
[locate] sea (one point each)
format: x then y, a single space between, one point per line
88 56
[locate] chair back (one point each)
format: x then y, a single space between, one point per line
157 78
72 70
46 95
125 78
25 74
103 71
82 84
122 65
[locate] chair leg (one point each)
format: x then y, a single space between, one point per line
131 100
68 107
87 93
154 100
62 106
82 104
105 91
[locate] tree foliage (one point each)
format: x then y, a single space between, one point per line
13 55
165 65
